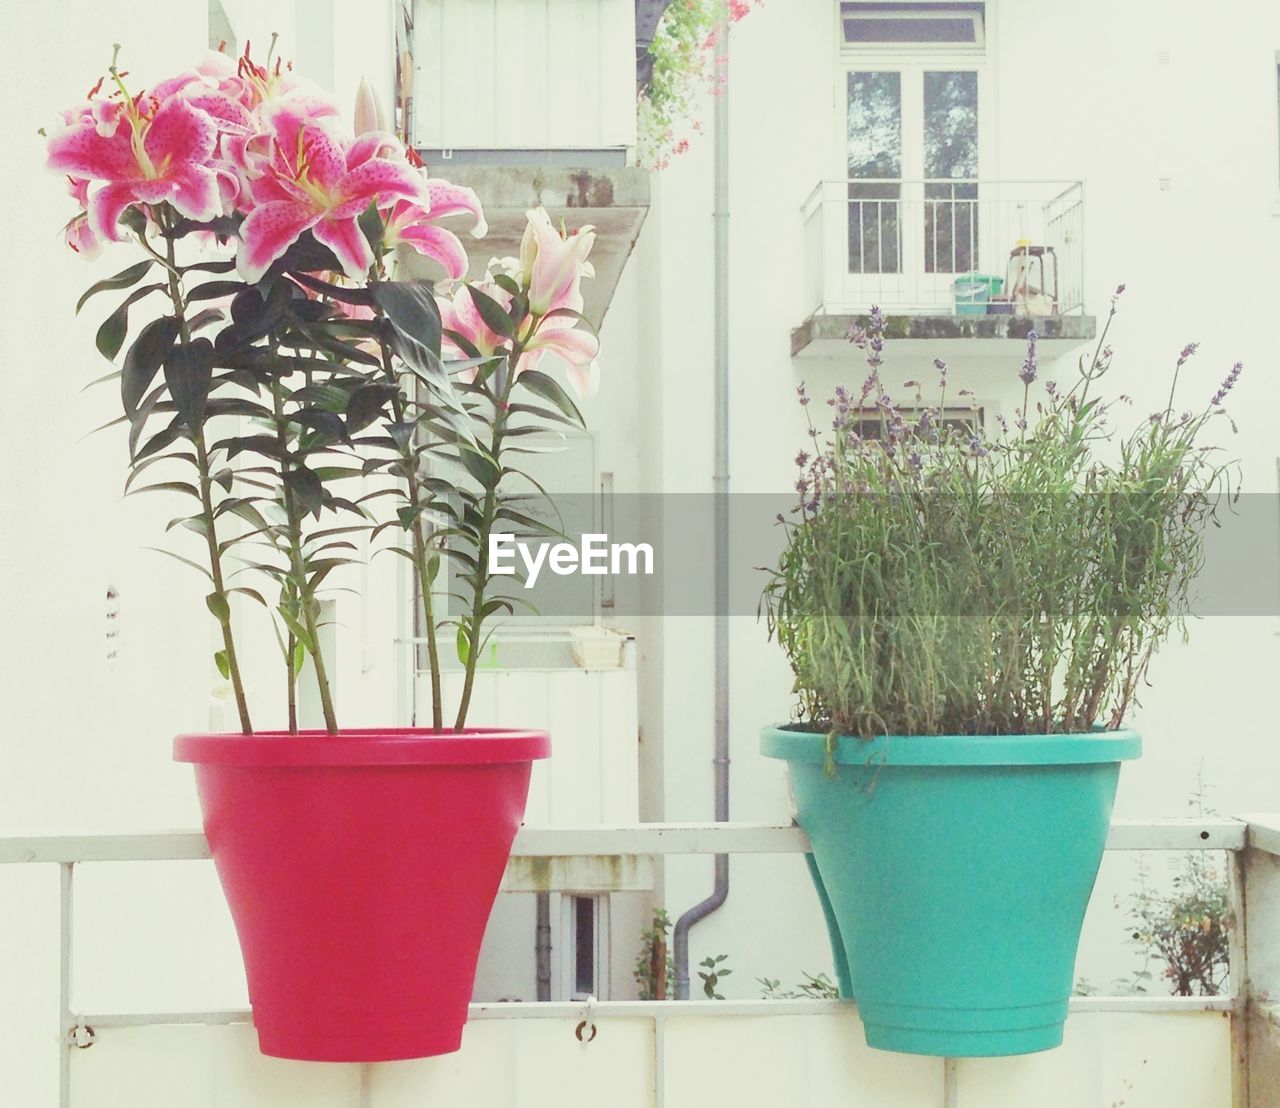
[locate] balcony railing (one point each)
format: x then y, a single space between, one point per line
932 247
1171 1051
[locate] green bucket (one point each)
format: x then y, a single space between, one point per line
954 873
975 291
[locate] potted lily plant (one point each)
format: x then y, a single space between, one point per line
969 618
297 396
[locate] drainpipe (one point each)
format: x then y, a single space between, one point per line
720 486
542 945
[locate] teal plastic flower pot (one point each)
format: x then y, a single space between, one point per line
954 873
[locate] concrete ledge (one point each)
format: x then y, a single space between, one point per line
827 335
613 200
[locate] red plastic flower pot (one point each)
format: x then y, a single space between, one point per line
361 869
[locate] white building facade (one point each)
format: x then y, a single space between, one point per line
1143 144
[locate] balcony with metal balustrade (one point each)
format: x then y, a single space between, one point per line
1140 1051
958 266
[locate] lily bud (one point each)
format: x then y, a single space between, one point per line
369 115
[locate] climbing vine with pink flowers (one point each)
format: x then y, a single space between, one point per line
684 69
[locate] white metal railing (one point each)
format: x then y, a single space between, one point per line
1258 838
923 246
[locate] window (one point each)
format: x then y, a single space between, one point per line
917 24
869 425
912 159
584 946
912 148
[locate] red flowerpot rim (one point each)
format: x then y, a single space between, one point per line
371 746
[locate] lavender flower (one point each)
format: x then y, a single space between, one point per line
803 393
875 339
1028 371
1227 385
802 459
1187 352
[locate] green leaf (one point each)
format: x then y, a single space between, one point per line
479 465
495 316
168 486
111 333
307 255
411 308
578 318
371 225
296 627
180 558
306 489
299 656
223 663
342 293
464 644
188 371
126 278
366 404
144 358
215 290
547 388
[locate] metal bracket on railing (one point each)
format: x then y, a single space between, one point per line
82 1036
586 1030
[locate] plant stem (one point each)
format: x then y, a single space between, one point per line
206 508
421 555
298 568
291 682
486 526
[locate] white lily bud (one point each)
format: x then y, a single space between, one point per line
369 114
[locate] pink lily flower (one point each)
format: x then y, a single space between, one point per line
414 224
150 153
311 181
458 313
578 348
554 265
80 238
78 235
559 336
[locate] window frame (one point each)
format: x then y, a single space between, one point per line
912 61
929 9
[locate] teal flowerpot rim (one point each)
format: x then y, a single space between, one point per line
795 744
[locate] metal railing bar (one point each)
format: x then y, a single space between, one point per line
1054 181
651 1009
633 839
66 1018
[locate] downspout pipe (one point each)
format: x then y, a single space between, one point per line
720 486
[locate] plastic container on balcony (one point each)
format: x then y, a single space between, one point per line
974 291
954 872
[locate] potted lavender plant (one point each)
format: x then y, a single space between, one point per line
281 372
969 620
